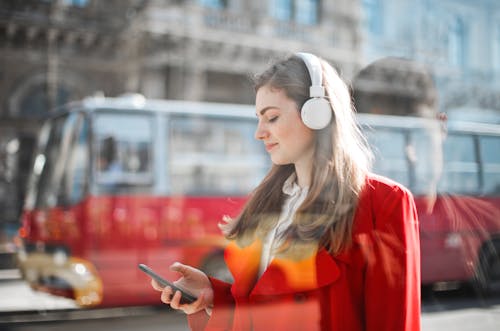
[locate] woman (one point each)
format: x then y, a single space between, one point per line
322 244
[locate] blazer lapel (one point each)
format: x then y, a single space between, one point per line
243 262
289 275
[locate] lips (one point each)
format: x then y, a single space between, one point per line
270 146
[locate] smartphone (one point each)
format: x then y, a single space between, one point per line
186 297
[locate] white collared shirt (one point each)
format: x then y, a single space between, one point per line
295 196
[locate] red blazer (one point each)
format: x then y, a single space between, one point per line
372 286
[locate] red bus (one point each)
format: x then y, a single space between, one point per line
122 181
118 182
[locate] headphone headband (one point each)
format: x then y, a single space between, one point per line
315 72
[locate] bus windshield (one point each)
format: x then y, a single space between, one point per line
60 173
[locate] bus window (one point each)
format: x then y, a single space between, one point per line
460 169
76 172
210 155
389 149
123 144
490 159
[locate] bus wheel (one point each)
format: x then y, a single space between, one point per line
215 266
488 274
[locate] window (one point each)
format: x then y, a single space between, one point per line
300 11
373 16
460 168
457 42
389 148
306 12
214 156
490 157
216 4
123 148
281 9
496 51
76 3
76 172
50 163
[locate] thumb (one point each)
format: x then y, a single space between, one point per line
180 268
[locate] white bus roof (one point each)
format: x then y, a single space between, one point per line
131 102
408 122
169 106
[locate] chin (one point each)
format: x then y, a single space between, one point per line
279 161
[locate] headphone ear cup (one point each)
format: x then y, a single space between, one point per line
316 113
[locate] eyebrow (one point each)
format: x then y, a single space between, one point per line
263 110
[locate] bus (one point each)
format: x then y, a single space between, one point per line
453 172
121 181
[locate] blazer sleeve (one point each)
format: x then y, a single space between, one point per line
221 317
392 280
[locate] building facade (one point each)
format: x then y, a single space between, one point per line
458 40
205 50
54 51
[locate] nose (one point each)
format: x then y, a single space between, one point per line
261 132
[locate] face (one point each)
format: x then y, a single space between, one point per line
280 128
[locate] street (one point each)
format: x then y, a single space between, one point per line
21 309
24 309
124 319
460 310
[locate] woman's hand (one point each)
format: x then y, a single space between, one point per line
192 280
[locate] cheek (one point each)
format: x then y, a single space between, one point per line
296 140
291 126
298 133
284 132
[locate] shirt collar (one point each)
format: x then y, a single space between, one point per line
290 187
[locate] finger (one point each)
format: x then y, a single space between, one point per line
176 300
196 306
166 295
155 285
188 308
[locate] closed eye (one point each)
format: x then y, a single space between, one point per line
273 119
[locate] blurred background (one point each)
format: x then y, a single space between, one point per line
57 51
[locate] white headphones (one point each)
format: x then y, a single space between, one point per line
316 112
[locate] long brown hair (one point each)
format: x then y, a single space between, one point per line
341 163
